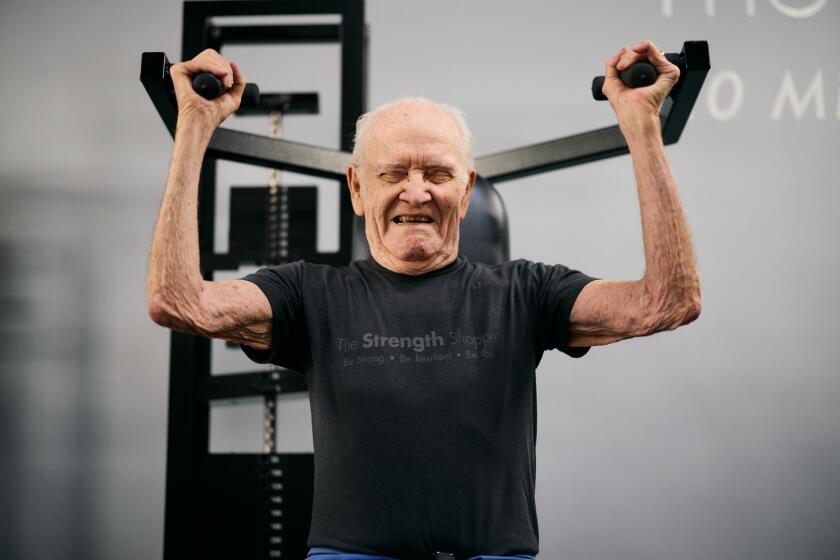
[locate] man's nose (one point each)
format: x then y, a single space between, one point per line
416 190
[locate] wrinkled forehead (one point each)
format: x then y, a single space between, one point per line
414 134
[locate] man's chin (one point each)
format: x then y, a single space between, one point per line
415 250
417 253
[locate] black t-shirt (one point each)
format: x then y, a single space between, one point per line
423 398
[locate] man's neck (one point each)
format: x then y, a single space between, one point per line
414 268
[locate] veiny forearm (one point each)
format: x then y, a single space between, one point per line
671 280
174 283
668 295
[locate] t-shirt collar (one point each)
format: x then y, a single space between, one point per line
455 264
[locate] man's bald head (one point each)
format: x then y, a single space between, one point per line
371 124
411 178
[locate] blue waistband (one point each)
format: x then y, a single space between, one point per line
333 554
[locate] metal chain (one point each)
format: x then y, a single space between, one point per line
269 424
275 130
277 201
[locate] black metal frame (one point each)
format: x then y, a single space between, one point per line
231 505
604 142
511 164
243 147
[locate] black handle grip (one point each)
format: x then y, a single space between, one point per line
209 86
636 75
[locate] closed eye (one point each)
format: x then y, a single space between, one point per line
438 176
393 176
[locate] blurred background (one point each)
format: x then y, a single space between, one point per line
719 440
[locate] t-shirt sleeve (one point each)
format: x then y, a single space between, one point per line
558 289
282 285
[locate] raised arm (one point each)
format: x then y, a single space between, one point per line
668 295
177 296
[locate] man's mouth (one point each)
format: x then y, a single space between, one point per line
412 219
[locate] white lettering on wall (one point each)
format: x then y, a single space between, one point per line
712 101
787 92
803 12
749 8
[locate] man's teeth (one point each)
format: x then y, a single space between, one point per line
421 219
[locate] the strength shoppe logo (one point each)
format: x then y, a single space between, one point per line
433 346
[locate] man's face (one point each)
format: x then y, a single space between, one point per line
412 186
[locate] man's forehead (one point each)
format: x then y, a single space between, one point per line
422 121
416 158
414 150
427 133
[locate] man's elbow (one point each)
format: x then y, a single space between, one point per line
674 314
685 312
692 309
159 311
166 313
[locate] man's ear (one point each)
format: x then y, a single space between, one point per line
465 200
355 189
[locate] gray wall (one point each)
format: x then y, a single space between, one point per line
720 440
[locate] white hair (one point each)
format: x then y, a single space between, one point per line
454 112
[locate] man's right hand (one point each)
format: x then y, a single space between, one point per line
194 108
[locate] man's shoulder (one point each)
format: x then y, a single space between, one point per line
524 273
300 273
303 266
507 268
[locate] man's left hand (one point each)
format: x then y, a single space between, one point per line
632 104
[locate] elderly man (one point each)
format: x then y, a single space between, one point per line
420 364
